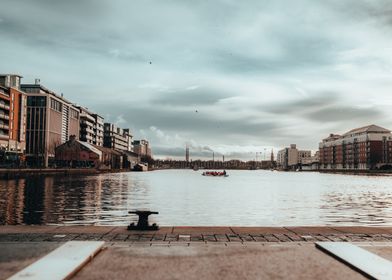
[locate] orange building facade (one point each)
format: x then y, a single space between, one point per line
51 121
13 104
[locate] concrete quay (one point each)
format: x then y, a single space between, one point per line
196 252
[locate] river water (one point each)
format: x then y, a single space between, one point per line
184 197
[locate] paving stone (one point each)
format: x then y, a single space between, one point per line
197 238
184 237
357 237
17 237
387 236
334 237
321 238
221 238
234 238
158 237
271 238
120 237
282 237
146 237
171 237
42 237
209 238
246 237
308 238
295 237
378 237
108 237
80 237
133 237
259 238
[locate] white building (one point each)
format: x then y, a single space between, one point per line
117 138
291 157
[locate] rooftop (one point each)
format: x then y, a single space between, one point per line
367 129
4 75
46 90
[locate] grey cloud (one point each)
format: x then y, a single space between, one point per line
191 122
206 153
379 11
324 107
342 113
297 51
298 106
198 96
180 152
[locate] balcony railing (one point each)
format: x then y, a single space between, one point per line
4 126
4 116
4 106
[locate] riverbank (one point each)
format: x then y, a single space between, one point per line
14 173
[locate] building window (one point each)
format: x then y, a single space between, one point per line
55 105
36 101
74 114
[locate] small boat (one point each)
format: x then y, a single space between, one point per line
215 173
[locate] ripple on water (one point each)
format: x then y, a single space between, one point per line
184 197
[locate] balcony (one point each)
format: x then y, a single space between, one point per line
3 134
4 126
4 116
4 106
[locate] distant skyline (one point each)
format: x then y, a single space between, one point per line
226 76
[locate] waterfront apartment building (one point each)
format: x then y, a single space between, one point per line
12 114
117 138
364 148
142 148
91 127
291 157
51 120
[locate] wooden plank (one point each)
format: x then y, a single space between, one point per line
361 260
61 263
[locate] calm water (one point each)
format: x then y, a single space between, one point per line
184 197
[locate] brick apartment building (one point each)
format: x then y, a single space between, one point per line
364 148
51 120
12 114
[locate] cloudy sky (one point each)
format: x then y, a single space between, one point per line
234 77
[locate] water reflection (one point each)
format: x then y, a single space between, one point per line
246 198
359 208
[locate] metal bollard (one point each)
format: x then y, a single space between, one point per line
142 223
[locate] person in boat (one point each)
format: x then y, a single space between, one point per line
224 172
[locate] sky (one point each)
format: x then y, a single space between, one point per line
237 78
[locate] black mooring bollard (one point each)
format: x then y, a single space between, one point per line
142 224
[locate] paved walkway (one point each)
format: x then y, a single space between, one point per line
171 235
196 252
